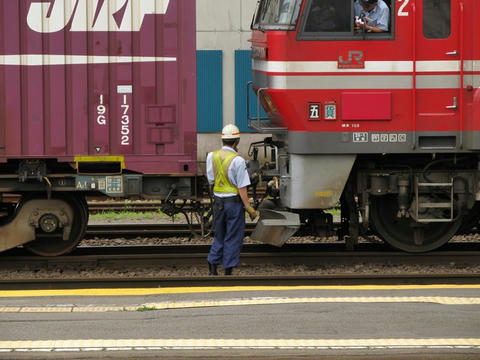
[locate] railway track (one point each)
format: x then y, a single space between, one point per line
132 258
462 254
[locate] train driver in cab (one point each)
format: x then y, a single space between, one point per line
372 15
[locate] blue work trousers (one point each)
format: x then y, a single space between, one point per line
229 234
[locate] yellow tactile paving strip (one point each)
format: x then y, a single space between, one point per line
195 290
243 302
224 344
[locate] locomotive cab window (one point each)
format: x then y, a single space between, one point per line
347 19
276 15
437 19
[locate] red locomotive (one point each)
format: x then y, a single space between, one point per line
384 121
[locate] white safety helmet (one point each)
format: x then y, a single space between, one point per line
230 132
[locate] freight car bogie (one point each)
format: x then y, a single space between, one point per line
60 222
46 224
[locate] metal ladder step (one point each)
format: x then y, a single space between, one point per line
435 184
434 205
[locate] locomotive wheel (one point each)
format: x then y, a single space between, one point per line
405 233
470 220
49 241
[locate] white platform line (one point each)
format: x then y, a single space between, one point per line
226 344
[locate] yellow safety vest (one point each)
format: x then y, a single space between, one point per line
221 161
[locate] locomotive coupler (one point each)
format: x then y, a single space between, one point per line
271 166
273 188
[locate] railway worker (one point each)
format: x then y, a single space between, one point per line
372 15
227 171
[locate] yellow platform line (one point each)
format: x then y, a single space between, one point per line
179 344
195 290
243 302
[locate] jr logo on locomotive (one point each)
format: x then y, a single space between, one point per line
92 15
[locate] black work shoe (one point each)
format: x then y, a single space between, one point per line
213 269
228 271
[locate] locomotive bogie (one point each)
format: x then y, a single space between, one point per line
417 210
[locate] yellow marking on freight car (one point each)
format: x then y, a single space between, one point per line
196 290
100 159
226 344
169 305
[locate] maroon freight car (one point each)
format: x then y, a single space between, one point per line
97 96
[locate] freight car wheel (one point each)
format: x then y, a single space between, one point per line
405 233
49 240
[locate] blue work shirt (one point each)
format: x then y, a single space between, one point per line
237 172
379 16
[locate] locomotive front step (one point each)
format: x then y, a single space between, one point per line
276 227
442 205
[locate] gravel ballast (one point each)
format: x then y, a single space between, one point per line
66 271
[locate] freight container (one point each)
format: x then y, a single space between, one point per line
96 96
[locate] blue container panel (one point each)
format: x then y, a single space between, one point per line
209 91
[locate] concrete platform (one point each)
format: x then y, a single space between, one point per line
406 322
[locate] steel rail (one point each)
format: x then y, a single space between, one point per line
261 280
461 254
146 230
167 229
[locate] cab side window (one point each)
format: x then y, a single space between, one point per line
329 16
437 19
335 20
